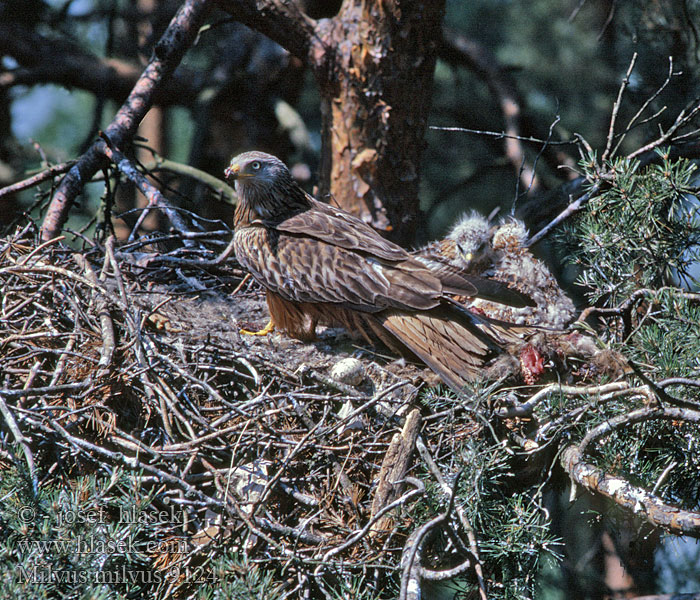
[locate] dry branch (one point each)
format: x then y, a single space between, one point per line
170 49
621 491
44 60
92 376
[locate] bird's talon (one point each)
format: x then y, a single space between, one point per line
269 328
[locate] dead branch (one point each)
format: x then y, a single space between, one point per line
37 179
621 491
467 526
45 60
168 52
616 108
571 209
394 467
412 570
684 118
635 120
153 195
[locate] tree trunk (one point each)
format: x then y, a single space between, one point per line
374 62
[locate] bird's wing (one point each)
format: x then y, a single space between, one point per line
456 281
455 350
307 269
338 228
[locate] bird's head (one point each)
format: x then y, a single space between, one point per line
472 236
264 183
257 170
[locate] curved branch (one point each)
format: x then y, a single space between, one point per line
282 21
637 416
411 569
621 491
45 60
167 54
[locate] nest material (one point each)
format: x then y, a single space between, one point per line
112 359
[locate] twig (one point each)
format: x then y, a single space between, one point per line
152 193
644 106
21 440
678 381
37 179
526 408
683 118
106 324
160 163
571 209
169 50
616 108
503 134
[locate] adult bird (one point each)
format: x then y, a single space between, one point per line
321 265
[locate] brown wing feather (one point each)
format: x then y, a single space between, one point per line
301 269
460 283
338 228
455 352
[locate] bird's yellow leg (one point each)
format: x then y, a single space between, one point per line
269 328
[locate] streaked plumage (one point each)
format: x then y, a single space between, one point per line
321 265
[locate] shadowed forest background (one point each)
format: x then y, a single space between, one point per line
550 71
408 117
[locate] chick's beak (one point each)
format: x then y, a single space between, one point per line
233 171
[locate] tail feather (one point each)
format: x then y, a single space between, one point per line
454 348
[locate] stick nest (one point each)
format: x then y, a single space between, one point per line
122 360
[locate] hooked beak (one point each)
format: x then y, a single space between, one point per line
233 172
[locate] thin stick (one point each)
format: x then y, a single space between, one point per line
616 108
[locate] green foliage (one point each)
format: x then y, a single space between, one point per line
667 460
511 523
237 579
507 515
640 231
635 244
70 542
641 235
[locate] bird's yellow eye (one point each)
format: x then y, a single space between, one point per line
255 165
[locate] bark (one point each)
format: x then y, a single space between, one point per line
374 64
